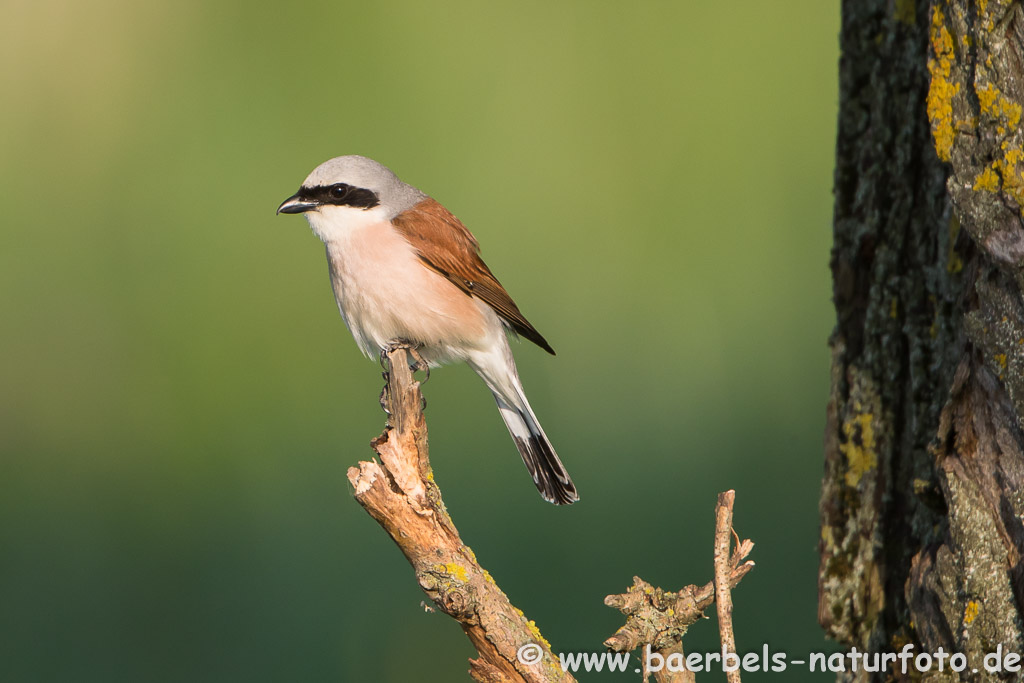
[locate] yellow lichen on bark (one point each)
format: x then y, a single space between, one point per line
1006 174
456 570
987 180
970 612
1012 168
987 20
1006 113
859 446
941 89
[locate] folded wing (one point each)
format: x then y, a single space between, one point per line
445 245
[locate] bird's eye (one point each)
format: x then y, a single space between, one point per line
339 191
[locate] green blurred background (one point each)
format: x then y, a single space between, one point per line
179 399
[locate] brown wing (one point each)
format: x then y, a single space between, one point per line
445 245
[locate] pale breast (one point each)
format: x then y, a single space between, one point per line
385 292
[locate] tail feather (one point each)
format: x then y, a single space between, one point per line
548 472
498 369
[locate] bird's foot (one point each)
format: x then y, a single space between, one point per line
395 344
392 346
418 362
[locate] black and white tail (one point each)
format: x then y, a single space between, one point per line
547 470
497 368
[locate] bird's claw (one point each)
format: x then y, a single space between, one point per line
418 364
396 344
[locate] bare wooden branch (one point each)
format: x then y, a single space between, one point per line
660 618
399 492
667 674
723 597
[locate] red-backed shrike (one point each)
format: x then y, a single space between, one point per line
405 270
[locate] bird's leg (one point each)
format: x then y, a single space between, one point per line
399 343
395 344
419 363
385 364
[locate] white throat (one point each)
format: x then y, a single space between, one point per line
334 224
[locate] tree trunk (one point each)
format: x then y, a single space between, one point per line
923 493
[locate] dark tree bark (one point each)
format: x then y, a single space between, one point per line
923 492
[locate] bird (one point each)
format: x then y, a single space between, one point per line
405 270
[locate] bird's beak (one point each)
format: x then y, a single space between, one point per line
296 204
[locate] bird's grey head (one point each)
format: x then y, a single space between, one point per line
356 182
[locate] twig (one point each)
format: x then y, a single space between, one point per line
401 495
399 492
659 618
666 675
723 596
